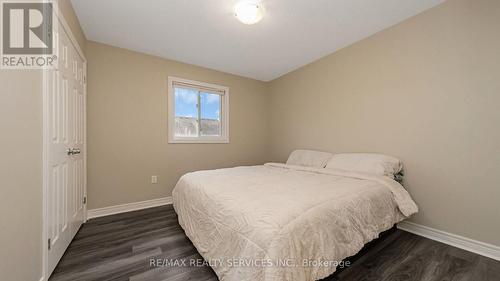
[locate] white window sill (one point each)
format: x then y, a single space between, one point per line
198 140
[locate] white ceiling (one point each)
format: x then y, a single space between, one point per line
291 34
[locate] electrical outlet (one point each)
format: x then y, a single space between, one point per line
154 179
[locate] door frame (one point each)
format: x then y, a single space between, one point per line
57 15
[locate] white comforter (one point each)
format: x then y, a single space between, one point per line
276 221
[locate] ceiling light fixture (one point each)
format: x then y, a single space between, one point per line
248 12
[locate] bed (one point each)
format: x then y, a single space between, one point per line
285 222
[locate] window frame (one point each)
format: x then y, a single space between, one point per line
224 116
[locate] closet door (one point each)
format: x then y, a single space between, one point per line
77 142
65 192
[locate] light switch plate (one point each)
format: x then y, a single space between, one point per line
154 179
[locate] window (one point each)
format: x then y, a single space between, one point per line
197 112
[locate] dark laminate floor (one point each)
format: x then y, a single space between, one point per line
119 247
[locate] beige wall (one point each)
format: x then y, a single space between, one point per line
127 126
21 170
427 91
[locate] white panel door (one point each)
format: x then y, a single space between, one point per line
66 164
77 141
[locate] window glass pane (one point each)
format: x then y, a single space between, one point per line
186 112
210 114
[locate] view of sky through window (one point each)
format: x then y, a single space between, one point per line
210 106
187 99
185 102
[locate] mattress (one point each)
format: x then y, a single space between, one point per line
282 222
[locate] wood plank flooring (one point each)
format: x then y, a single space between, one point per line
120 247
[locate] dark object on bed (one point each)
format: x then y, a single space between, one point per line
399 177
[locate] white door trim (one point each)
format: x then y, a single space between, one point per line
46 135
70 34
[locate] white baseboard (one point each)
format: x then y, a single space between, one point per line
480 248
111 210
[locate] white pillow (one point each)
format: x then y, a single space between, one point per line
309 158
371 163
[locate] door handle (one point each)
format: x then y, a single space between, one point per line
73 151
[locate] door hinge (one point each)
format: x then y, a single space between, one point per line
49 244
85 200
